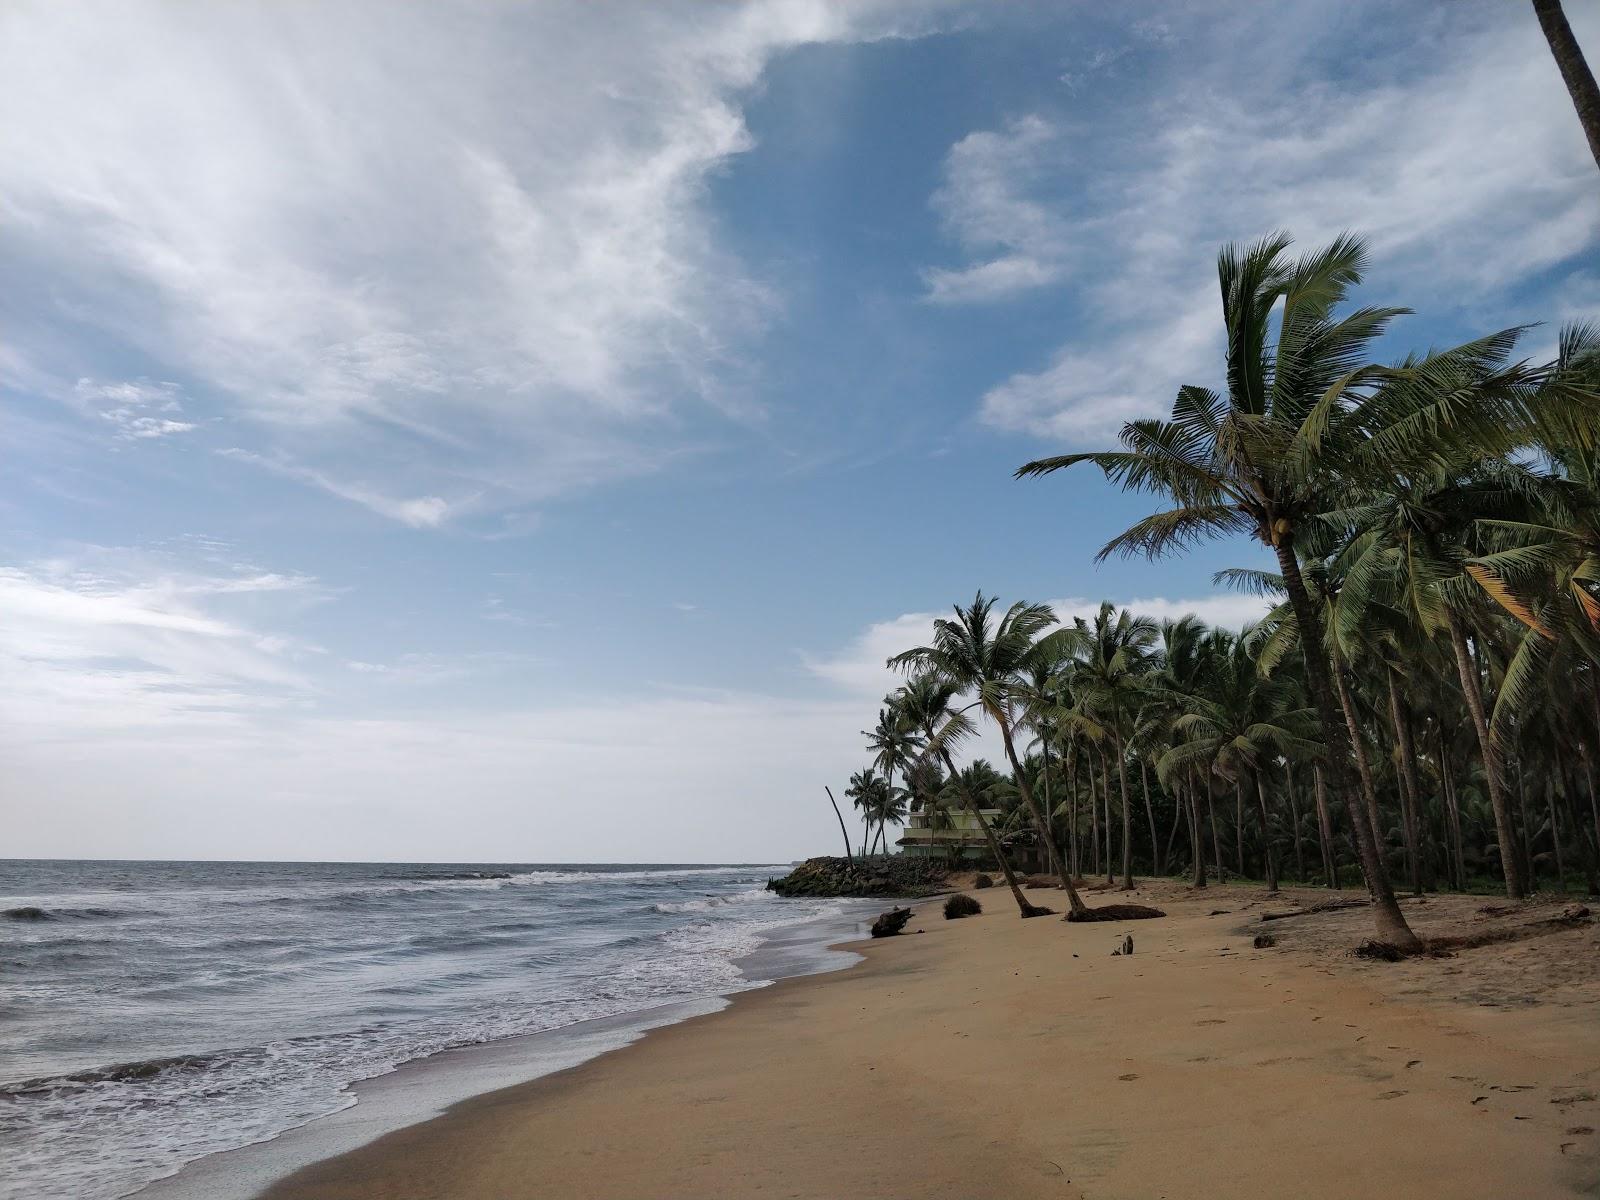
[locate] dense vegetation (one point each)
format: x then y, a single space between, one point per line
1422 701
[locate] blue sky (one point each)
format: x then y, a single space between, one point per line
482 431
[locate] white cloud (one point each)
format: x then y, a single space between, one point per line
987 205
419 512
129 406
114 642
1468 176
365 226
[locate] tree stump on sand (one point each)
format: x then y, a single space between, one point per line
1126 948
1116 912
890 923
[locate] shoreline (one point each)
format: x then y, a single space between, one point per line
997 1056
427 1088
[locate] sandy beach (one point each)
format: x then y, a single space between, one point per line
1000 1057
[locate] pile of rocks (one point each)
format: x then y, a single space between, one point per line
894 875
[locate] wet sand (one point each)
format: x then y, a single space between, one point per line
999 1057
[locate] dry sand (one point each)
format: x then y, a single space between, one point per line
995 1057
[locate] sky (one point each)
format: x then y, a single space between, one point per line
481 431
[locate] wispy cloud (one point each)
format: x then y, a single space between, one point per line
491 263
419 512
114 640
989 203
1467 175
140 410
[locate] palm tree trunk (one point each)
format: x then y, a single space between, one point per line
1594 802
1072 801
1390 922
1330 863
1074 901
1150 815
1216 829
1530 877
1178 814
1363 765
1023 907
1105 817
1127 809
848 853
1197 833
1294 815
1049 810
1468 674
1555 831
1238 820
1410 791
1094 811
1574 70
1266 836
1452 804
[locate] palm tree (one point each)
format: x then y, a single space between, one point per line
990 660
1182 665
894 743
1268 457
926 701
1113 658
1416 536
865 793
1574 69
1239 722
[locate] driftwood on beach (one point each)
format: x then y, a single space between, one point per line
890 923
1325 906
1117 912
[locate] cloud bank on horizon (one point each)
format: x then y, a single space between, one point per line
432 425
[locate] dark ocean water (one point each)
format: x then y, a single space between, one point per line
152 1013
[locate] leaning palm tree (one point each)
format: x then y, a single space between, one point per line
927 701
1415 540
1269 456
990 660
1574 68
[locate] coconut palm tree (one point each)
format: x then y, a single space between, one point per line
1113 659
1574 70
927 701
1269 456
864 792
893 742
989 660
1239 722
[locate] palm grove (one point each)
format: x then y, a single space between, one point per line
1421 705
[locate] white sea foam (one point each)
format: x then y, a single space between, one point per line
239 1008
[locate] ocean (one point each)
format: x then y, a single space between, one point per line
155 1013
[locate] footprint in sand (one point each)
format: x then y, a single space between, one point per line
1412 1063
1127 1078
1390 1095
1212 1021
